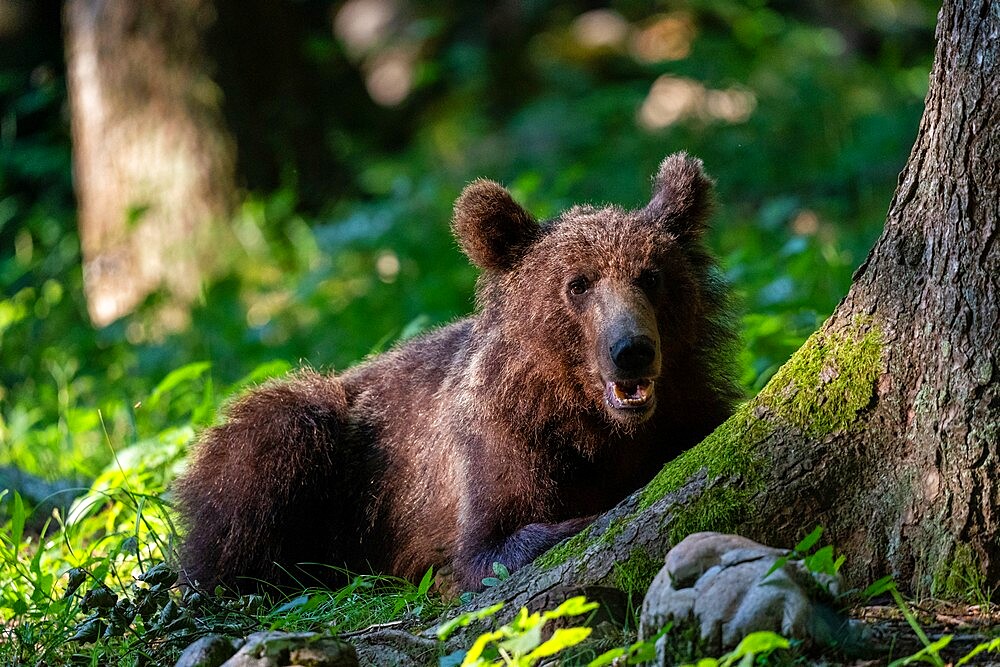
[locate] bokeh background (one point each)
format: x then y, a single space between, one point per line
351 127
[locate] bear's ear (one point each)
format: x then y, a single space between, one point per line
682 196
492 229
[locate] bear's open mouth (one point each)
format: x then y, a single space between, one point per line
629 394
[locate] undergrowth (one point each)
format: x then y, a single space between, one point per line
120 602
521 642
94 581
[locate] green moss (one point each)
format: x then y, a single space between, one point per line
728 450
615 528
561 553
960 577
636 573
722 509
829 381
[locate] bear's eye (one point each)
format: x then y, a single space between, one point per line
579 285
649 279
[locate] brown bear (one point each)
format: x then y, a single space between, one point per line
600 349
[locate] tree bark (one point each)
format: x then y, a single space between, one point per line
883 427
153 164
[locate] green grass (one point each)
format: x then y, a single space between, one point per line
95 585
114 600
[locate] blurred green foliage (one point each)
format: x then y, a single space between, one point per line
803 114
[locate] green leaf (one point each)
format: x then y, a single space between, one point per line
446 629
426 582
130 545
501 571
985 646
523 642
161 573
880 587
561 639
809 540
177 377
929 653
607 658
705 662
778 564
754 644
17 517
100 597
524 621
43 587
88 631
821 561
76 578
638 653
202 414
479 646
135 213
574 606
36 562
642 652
291 605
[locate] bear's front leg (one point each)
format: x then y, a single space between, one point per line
476 557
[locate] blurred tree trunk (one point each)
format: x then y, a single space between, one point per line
153 164
884 426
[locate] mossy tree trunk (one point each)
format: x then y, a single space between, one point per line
153 164
883 427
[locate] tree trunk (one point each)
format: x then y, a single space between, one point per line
883 427
153 165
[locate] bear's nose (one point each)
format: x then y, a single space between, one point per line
633 354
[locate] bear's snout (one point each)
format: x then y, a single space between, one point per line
634 355
630 363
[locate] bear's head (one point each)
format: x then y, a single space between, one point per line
600 308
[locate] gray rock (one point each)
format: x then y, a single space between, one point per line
281 649
721 584
209 651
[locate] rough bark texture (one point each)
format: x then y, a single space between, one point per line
911 487
883 426
153 165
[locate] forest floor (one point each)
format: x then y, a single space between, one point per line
969 626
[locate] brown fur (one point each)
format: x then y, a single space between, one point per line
493 438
